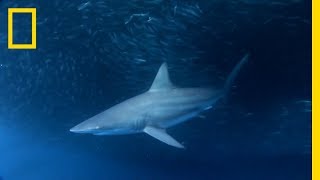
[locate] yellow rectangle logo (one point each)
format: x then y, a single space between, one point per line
33 12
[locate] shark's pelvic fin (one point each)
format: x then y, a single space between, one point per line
162 80
162 135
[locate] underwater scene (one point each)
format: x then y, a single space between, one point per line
155 89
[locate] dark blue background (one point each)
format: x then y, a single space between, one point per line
89 59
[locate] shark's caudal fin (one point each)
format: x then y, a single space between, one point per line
234 73
162 135
162 80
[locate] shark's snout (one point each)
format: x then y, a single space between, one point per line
81 128
76 130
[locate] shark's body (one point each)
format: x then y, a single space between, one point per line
154 111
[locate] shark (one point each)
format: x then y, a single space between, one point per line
163 106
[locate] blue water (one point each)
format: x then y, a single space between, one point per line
94 54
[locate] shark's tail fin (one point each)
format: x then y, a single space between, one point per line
234 73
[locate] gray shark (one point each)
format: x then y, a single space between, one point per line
162 106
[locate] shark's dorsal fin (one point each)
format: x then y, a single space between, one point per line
162 136
162 80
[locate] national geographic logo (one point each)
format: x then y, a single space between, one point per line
33 12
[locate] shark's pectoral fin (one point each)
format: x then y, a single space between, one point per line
162 135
